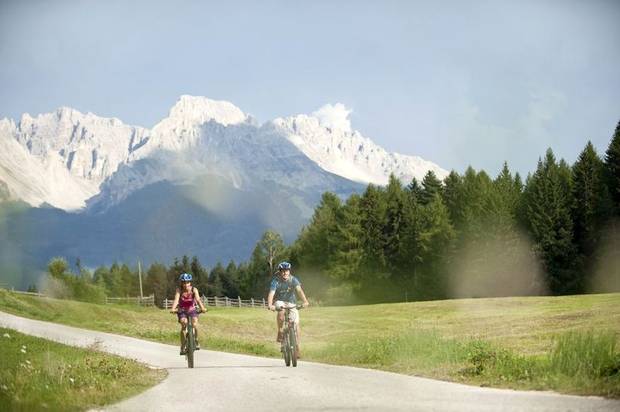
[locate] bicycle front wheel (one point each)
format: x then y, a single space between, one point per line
191 346
286 350
293 346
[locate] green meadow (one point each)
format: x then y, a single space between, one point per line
38 374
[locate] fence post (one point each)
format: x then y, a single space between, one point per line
264 305
226 300
239 298
252 300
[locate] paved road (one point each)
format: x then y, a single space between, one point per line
229 382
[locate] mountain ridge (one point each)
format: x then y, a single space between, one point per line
94 149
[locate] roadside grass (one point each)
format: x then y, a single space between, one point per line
39 374
519 343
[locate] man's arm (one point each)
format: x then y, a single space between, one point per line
270 300
301 293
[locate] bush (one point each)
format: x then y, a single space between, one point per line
62 284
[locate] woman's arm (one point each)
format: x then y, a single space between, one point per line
197 298
177 295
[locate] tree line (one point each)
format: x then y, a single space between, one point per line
470 235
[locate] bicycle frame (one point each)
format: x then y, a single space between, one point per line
289 338
190 341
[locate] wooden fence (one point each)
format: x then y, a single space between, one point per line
144 301
225 302
217 301
25 293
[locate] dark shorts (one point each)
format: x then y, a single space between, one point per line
191 313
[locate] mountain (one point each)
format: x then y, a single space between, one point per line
70 160
348 154
62 158
207 180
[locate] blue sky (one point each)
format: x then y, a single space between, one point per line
458 83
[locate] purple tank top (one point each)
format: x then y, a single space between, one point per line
186 301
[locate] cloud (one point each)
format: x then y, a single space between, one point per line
334 116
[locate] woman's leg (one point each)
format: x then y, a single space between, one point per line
183 322
195 325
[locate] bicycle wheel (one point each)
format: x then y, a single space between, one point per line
286 349
293 346
191 345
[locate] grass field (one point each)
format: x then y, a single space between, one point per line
568 344
38 374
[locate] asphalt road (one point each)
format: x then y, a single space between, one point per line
230 382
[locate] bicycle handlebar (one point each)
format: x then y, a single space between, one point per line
198 310
283 308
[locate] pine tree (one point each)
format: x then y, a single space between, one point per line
215 280
394 224
503 200
589 200
200 275
548 206
230 281
474 205
155 282
415 190
612 169
346 261
432 187
373 272
435 238
453 185
316 242
413 249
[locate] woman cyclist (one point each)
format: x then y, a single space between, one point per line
185 300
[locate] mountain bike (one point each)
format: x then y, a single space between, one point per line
289 337
190 341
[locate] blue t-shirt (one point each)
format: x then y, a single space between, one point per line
285 291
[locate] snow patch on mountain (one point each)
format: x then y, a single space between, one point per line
327 139
182 127
90 147
37 181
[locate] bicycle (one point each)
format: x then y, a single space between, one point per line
289 337
190 341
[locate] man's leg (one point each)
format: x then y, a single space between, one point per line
298 334
280 322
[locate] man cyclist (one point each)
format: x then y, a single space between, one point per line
185 300
284 288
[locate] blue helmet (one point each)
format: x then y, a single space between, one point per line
284 265
185 277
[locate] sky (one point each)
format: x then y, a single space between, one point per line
458 83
